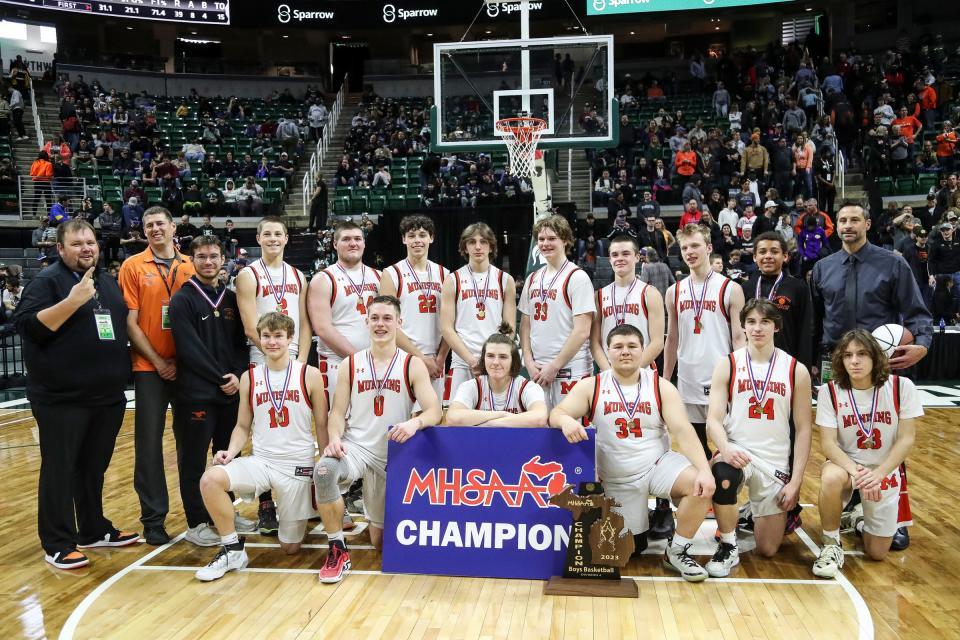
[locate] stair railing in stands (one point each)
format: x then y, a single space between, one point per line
323 146
36 116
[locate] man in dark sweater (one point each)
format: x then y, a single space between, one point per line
945 257
211 356
73 322
789 294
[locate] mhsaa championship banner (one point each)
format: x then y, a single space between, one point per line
472 501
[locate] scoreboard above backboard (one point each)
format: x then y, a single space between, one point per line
192 11
610 7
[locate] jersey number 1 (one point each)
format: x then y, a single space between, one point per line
378 406
624 431
766 411
279 420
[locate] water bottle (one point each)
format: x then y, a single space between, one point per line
942 325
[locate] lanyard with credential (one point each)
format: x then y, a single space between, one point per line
164 276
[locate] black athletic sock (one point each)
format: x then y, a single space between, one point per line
701 429
266 496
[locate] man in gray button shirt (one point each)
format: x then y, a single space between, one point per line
865 286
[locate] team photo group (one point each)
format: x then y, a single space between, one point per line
420 346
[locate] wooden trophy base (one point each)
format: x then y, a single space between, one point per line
622 588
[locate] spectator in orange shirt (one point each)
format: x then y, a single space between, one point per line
910 127
946 147
928 103
654 91
149 279
803 166
812 210
685 162
41 174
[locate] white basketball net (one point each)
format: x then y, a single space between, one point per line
521 136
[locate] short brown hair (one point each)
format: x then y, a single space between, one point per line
622 237
412 223
73 225
274 321
881 366
152 211
557 224
205 241
274 219
390 300
346 225
484 231
515 360
766 309
693 229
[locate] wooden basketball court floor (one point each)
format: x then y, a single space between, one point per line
146 592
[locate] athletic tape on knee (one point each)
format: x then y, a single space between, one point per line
326 478
728 480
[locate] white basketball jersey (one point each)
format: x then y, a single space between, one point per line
623 305
627 447
352 290
760 425
700 346
419 295
897 399
551 302
479 300
278 290
282 437
519 396
372 412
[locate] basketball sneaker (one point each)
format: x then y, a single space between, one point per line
113 539
829 563
662 524
348 523
227 559
267 513
69 559
336 566
203 535
677 559
850 519
794 521
243 525
725 558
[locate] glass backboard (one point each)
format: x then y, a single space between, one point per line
566 81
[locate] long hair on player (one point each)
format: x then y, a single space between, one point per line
879 372
766 309
484 231
502 338
557 224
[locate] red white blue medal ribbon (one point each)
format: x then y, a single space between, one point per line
620 318
413 272
481 300
543 276
861 425
213 304
363 280
506 403
698 304
278 404
758 397
773 289
277 293
379 384
629 408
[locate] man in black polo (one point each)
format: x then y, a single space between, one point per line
863 286
945 256
211 356
73 321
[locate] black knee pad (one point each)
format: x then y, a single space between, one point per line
728 479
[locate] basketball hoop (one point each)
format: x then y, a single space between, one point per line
521 136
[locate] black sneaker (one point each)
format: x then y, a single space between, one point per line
639 544
268 518
661 522
901 540
114 538
155 535
69 559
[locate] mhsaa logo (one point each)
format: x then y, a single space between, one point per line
474 487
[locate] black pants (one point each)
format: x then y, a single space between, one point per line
153 395
197 425
76 445
18 121
318 214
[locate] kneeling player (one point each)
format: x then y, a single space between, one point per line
753 395
285 399
377 387
630 407
866 419
500 396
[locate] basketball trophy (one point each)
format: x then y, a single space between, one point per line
598 546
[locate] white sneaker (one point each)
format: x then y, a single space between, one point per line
850 519
726 557
242 525
829 563
203 535
225 561
677 559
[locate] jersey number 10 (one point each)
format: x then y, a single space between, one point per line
281 419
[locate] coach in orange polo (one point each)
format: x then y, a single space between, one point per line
149 279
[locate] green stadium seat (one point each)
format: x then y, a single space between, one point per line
885 186
906 185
